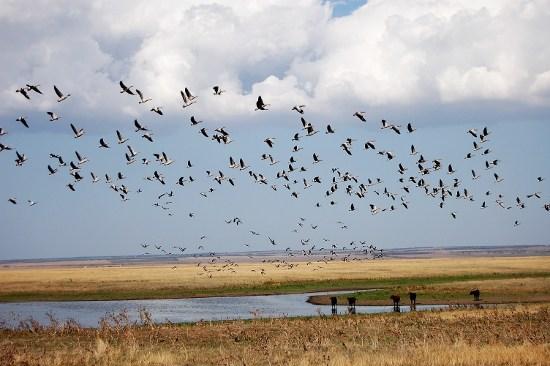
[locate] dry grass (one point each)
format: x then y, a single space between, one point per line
506 336
162 281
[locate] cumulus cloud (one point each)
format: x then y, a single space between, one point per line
384 54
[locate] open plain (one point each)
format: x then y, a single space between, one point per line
510 334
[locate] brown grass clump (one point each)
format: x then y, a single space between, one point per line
499 336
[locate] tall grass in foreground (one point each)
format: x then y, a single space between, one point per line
517 335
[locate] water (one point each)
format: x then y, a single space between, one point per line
88 313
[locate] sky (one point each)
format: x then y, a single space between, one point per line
444 66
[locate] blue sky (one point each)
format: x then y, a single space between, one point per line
428 66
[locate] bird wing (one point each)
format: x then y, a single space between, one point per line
57 91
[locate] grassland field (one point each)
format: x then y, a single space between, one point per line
512 334
441 280
515 335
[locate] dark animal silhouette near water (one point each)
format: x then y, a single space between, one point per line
475 292
351 305
396 299
333 303
412 297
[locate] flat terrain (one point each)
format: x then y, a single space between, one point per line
517 335
438 279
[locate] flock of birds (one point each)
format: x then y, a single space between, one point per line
434 178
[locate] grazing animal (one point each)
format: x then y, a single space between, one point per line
475 292
412 297
333 303
351 305
396 299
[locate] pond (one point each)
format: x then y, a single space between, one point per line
89 313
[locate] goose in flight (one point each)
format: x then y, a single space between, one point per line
345 147
103 144
395 129
3 132
299 108
148 136
142 99
157 110
373 209
329 129
385 124
31 203
4 147
450 169
260 105
270 141
125 89
12 200
77 132
21 158
139 126
360 115
497 178
80 158
51 170
121 139
129 159
34 88
187 97
194 121
165 160
53 116
472 131
316 159
23 92
23 121
217 90
410 128
60 96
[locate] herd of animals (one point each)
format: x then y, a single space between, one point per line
396 300
431 177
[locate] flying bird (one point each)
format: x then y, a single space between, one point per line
60 96
142 99
120 138
77 132
299 108
270 141
139 126
125 89
23 121
360 115
217 90
102 143
260 105
53 116
157 110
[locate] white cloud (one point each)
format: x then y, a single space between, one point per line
385 53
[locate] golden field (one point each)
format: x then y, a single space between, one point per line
162 281
517 335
